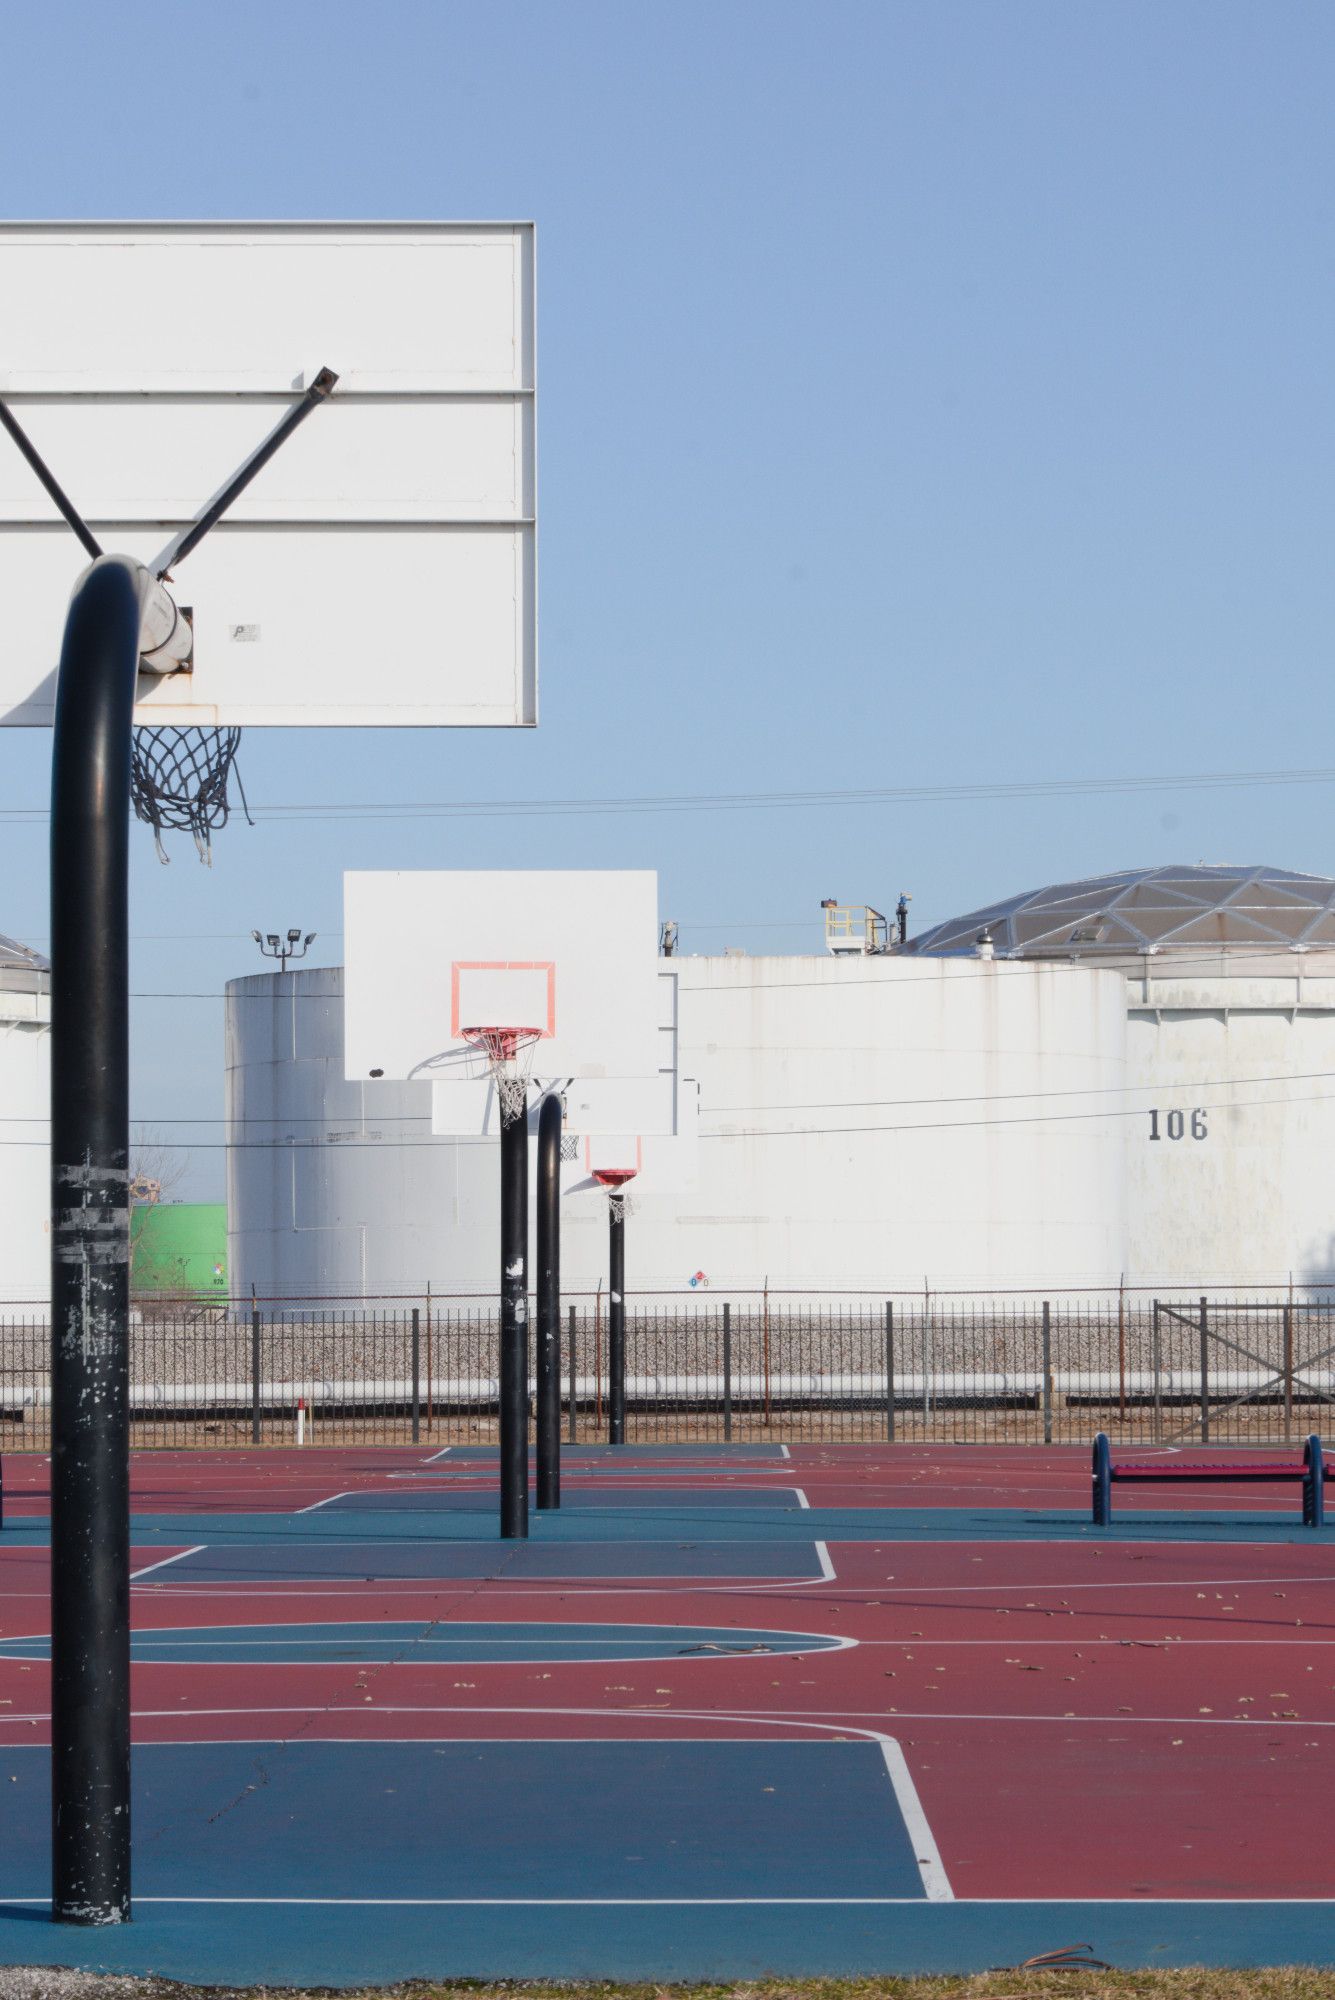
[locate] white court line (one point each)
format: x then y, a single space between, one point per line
166 1561
1144 1645
173 1640
743 1585
1101 1583
802 1500
639 1712
329 1497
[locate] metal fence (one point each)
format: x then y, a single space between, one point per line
927 1369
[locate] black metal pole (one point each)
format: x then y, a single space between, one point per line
549 1302
616 1321
514 1322
90 1242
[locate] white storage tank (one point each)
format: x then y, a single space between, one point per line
25 1089
866 1121
1229 1118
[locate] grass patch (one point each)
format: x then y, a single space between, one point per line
1284 1982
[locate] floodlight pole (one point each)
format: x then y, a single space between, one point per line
549 1302
514 1321
616 1320
90 1247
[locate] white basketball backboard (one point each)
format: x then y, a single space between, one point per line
431 954
656 1164
380 567
464 1106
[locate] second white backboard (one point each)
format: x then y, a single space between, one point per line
432 955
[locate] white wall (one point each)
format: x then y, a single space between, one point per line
954 1142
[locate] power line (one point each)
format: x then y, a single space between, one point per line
530 808
290 1145
1179 1086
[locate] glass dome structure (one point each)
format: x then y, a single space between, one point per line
1141 910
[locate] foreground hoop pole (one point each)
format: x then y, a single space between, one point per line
90 1247
514 1320
549 1302
616 1320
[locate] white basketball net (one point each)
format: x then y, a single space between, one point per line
509 1055
618 1195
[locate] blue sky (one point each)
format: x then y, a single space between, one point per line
931 394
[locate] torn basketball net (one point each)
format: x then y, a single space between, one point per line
615 1184
179 783
509 1057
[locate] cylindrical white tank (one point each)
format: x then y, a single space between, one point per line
1230 1144
866 1122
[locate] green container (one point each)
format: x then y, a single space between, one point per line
179 1248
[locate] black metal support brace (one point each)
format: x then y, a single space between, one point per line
90 1242
55 492
549 1302
514 1323
616 1321
319 392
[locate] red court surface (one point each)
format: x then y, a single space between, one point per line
1077 1718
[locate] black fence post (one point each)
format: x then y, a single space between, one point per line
514 1320
616 1320
574 1417
1288 1370
1205 1373
90 1248
549 1302
1047 1372
417 1374
889 1372
727 1374
1156 1357
254 1371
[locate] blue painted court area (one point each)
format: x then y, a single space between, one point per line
274 1822
712 1455
477 1643
386 1561
750 1517
482 1500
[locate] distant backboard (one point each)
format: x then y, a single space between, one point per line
380 568
666 1164
431 954
464 1106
